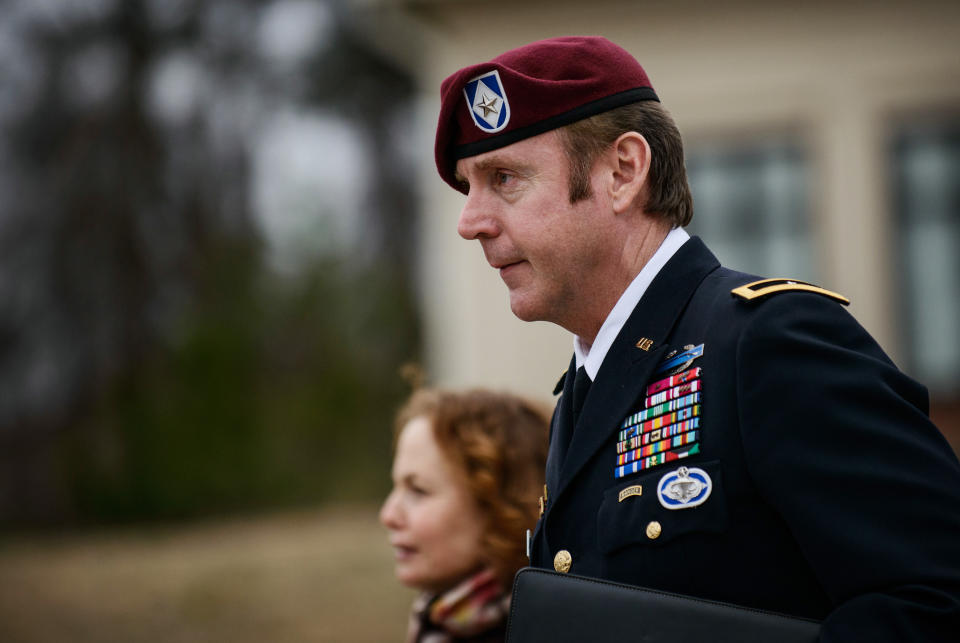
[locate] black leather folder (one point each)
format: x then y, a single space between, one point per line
553 607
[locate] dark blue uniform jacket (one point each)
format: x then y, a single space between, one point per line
832 495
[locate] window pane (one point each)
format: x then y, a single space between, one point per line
751 207
926 160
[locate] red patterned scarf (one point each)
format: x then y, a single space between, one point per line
475 606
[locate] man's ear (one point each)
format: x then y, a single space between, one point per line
631 154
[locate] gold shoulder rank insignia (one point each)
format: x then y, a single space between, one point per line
766 287
559 387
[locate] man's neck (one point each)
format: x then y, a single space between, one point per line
637 251
592 351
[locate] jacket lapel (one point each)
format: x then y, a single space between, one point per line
627 368
560 429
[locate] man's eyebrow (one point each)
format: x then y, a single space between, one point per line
497 161
502 161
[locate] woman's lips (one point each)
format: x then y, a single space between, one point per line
403 552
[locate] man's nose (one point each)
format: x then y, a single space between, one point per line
477 220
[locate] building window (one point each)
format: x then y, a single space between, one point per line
752 206
926 171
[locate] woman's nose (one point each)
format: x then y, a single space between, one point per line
390 512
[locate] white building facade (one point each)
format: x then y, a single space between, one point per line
823 143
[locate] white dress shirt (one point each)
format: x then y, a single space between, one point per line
591 358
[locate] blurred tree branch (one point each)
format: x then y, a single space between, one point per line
150 362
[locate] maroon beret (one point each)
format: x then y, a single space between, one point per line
531 90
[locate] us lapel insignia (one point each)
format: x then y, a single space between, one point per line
668 427
684 488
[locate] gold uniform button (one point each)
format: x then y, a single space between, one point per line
653 530
562 561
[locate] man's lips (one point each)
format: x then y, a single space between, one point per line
506 267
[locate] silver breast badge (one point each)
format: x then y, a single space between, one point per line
684 488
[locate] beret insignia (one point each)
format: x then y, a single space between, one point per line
487 102
551 83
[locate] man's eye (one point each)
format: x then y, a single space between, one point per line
503 178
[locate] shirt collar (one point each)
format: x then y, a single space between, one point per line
591 358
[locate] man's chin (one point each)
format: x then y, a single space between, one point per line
525 310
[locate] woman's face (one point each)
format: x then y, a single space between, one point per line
434 523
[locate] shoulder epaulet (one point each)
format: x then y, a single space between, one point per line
766 287
559 387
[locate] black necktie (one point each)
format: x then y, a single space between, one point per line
581 386
570 410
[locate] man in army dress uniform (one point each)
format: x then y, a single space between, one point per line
718 435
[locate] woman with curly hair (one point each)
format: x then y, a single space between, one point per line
467 471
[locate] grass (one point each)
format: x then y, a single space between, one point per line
318 576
